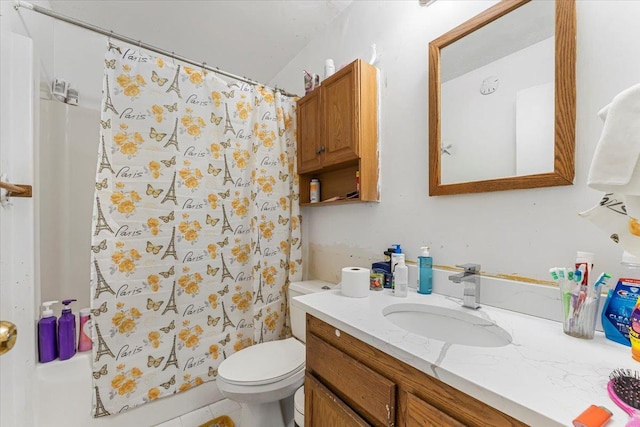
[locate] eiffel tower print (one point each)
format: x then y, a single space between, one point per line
227 321
171 249
108 104
172 360
259 293
102 285
101 222
100 411
173 140
103 348
171 194
261 340
114 47
225 221
104 160
225 270
227 122
257 249
227 173
174 84
171 305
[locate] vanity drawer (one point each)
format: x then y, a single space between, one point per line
370 394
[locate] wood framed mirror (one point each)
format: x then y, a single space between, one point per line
476 78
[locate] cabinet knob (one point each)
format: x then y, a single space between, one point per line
337 333
320 150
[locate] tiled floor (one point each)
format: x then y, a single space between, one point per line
202 415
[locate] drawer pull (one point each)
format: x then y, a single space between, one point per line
338 333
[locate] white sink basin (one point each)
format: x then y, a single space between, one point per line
444 324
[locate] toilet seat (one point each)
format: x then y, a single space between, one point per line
248 368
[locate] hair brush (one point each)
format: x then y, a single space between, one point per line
624 389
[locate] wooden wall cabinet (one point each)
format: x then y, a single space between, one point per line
338 135
354 384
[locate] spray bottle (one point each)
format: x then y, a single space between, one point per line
67 332
47 325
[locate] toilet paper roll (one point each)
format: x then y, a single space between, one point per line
355 282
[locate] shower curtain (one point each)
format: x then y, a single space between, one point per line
196 226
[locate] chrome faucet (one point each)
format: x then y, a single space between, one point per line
471 279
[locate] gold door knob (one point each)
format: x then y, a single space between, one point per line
8 336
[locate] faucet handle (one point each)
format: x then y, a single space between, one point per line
470 268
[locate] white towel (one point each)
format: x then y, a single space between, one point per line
615 163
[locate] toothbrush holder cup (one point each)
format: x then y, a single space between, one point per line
580 312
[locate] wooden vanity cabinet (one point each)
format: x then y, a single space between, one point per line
338 135
354 384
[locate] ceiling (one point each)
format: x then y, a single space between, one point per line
249 38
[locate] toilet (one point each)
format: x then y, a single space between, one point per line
264 389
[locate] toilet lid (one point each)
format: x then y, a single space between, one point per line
263 363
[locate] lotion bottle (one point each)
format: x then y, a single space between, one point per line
401 279
425 264
67 332
47 334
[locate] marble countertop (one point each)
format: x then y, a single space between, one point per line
543 378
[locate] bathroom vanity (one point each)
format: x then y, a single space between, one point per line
363 369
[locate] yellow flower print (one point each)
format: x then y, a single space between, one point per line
193 125
241 252
269 275
288 121
215 150
244 108
193 130
294 223
285 246
216 97
283 203
266 183
183 334
240 344
136 373
213 251
153 393
129 148
123 80
271 320
126 67
241 157
242 300
266 228
127 142
184 387
192 341
119 138
117 197
132 90
117 381
127 387
186 121
189 230
213 201
292 267
154 335
160 62
240 206
192 288
198 381
154 282
213 300
140 80
196 78
191 177
125 320
213 350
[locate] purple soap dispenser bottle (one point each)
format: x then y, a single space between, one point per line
47 334
67 332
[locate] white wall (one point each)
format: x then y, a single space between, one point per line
521 232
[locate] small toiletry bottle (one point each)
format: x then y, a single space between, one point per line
401 279
47 334
395 258
329 68
425 264
634 332
314 191
84 339
67 332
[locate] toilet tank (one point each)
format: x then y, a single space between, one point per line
298 322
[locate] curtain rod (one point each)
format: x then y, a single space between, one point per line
138 43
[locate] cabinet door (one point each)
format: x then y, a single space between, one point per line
421 414
340 115
309 133
325 409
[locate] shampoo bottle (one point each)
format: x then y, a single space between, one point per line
401 279
84 336
425 264
47 328
67 332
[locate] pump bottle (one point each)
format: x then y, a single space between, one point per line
401 279
425 264
67 332
47 336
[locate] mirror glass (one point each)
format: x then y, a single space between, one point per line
502 99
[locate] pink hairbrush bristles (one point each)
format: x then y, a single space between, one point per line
624 389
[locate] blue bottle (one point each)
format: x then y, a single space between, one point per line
67 332
47 334
425 265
